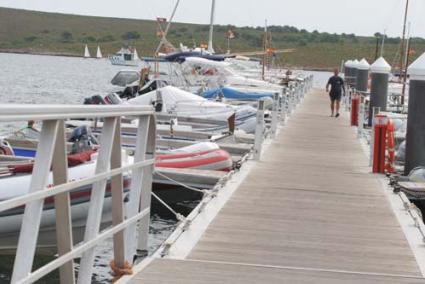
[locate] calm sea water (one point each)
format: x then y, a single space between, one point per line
49 79
65 80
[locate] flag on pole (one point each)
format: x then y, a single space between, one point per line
230 34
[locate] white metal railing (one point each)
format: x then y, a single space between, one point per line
283 104
51 154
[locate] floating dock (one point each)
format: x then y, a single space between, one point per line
308 212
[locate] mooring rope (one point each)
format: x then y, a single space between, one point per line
179 216
181 184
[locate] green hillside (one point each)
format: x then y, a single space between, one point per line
50 33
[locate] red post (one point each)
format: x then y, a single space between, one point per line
379 143
355 103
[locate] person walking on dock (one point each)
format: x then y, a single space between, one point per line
337 86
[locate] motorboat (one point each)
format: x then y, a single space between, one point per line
235 94
215 74
126 56
174 101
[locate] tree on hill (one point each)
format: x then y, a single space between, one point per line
130 35
66 36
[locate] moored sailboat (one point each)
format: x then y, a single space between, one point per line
99 53
86 52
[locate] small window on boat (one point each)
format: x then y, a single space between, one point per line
124 78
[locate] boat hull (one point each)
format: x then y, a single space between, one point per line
121 62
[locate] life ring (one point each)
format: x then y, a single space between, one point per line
390 147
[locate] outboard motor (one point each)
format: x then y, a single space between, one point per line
82 139
129 92
94 100
113 99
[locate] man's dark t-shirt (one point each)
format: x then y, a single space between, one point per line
337 84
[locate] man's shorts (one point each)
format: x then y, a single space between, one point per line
335 96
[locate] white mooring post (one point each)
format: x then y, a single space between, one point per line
415 152
275 114
259 131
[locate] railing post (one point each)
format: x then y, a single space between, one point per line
63 206
137 177
375 111
142 245
33 210
117 196
296 94
289 99
97 198
145 197
259 131
275 114
283 109
361 117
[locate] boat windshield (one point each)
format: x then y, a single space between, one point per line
124 78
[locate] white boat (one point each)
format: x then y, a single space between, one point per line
86 52
99 53
171 100
200 70
125 57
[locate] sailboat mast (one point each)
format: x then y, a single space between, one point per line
383 43
167 28
406 63
163 38
402 48
210 39
264 51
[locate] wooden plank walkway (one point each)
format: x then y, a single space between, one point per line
309 212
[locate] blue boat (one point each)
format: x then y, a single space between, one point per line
233 94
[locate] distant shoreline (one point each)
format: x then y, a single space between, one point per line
31 52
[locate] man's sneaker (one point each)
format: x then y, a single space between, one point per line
337 115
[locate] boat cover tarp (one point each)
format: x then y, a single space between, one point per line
233 94
181 56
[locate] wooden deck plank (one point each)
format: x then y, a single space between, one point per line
311 203
182 272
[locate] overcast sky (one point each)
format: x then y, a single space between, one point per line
362 17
